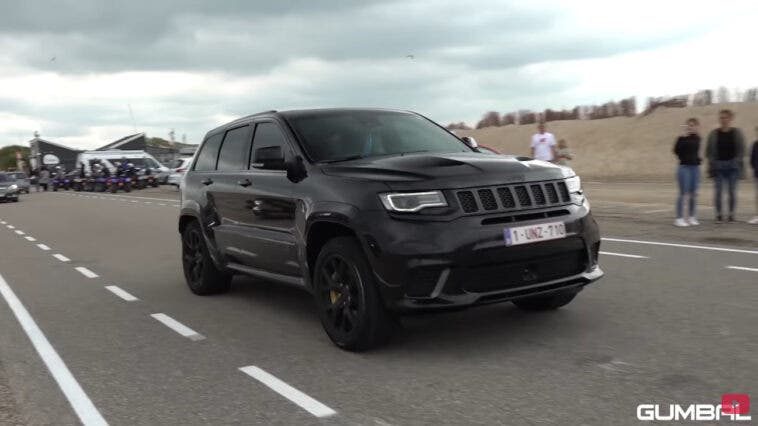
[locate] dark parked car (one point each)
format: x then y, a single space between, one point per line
380 212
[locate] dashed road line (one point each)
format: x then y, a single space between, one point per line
633 256
657 211
304 401
43 247
3 222
20 232
742 268
121 293
61 257
178 327
11 227
30 238
86 272
80 402
656 243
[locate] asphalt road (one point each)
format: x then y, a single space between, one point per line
674 324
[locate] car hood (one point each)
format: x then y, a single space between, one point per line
447 171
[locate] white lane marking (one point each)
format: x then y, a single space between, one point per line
633 256
148 202
742 268
161 204
43 247
28 238
121 293
657 211
115 196
655 243
20 232
61 257
3 222
11 227
80 402
86 272
304 401
178 327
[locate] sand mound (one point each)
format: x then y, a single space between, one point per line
634 148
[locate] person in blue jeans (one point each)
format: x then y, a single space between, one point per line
687 149
725 151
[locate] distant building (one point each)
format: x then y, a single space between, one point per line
138 141
51 154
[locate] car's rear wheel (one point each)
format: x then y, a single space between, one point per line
202 275
546 302
349 304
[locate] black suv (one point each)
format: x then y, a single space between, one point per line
380 212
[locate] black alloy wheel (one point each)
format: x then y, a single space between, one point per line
201 274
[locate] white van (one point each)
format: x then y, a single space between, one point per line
140 159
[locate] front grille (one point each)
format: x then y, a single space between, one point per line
488 199
493 277
468 202
513 197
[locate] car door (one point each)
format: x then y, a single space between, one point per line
226 191
269 206
200 181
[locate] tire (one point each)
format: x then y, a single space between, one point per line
127 187
349 304
55 188
99 187
546 302
114 188
201 274
15 200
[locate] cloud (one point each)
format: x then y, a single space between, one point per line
189 65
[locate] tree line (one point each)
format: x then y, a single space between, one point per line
624 108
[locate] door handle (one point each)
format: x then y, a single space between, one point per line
206 181
244 183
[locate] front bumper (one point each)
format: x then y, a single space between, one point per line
438 265
8 195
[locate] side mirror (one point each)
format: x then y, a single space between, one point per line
296 170
269 158
471 142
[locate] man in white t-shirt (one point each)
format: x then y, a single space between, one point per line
543 144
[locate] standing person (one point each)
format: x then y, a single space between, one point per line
687 149
725 149
563 154
543 144
44 178
754 164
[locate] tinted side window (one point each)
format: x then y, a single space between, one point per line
206 159
235 150
268 135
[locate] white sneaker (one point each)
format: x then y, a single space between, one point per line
753 221
680 222
693 221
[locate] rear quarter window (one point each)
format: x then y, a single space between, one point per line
206 158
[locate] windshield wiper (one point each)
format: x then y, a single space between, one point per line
339 160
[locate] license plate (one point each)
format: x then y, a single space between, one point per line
534 233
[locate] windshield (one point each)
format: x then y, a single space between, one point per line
329 136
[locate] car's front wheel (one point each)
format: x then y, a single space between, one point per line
349 304
546 302
202 275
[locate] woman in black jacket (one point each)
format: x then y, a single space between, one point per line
687 149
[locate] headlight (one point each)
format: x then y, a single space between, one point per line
13 187
412 201
574 185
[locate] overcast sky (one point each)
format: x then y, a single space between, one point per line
71 69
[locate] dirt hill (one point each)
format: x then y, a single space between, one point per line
621 148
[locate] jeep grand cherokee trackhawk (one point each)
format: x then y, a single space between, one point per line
380 212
